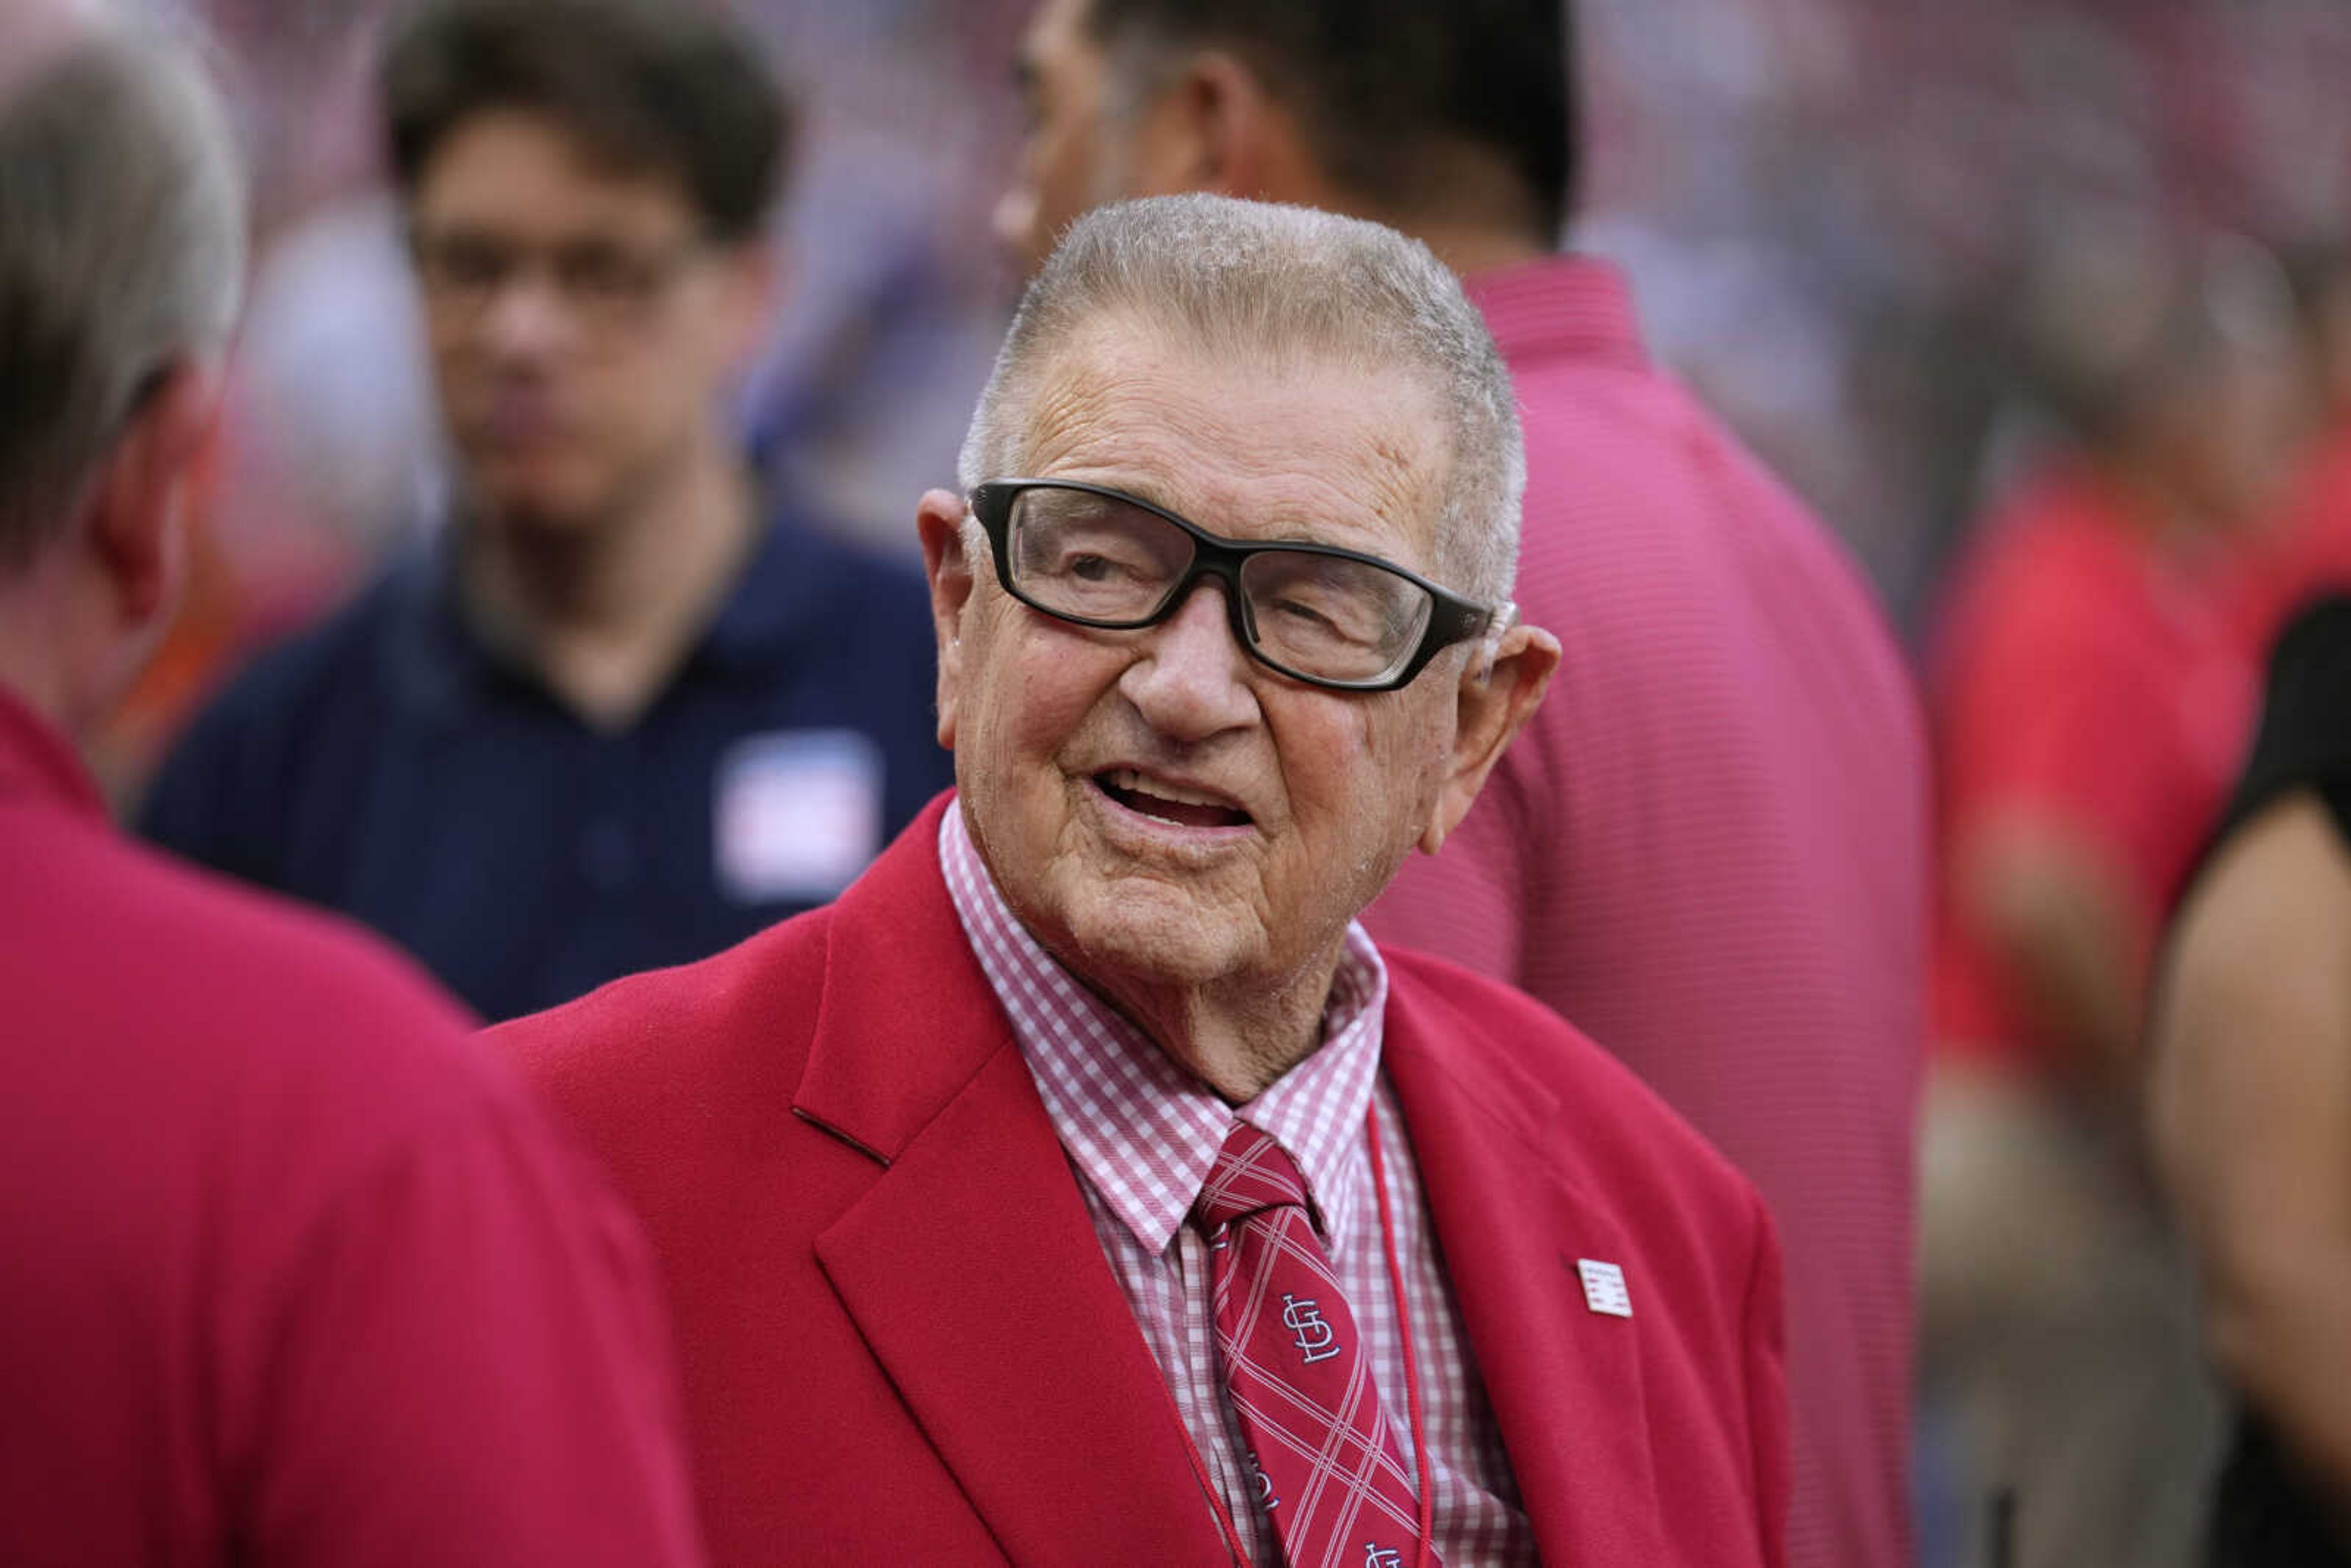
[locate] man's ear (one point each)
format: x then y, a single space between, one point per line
137 529
1216 127
1494 705
940 518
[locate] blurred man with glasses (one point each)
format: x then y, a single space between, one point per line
624 710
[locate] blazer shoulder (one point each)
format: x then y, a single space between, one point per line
716 1033
1607 1119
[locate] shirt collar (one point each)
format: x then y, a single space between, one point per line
1143 1131
1559 304
438 663
39 764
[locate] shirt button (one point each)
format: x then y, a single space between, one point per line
608 855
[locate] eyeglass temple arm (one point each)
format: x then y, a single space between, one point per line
1499 622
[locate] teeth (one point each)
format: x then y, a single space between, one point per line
1127 779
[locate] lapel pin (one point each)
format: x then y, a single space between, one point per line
1603 1287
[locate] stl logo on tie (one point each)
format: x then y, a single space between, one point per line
1317 1341
1377 1556
1266 1499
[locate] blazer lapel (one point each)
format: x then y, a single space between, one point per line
971 1266
1563 1380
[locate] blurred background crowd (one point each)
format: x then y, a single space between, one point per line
2042 304
1828 208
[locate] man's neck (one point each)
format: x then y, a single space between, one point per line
1482 221
606 613
59 655
1470 249
2174 525
25 671
1238 1039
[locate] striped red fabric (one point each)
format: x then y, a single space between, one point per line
1708 849
1142 1137
1328 1468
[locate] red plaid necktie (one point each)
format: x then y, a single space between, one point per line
1328 1468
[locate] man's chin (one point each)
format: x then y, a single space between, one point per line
549 485
1141 931
540 510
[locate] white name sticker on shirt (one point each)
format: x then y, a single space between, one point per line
797 816
1603 1287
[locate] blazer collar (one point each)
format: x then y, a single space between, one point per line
907 1017
1563 1381
971 1266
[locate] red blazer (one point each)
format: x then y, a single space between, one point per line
902 1343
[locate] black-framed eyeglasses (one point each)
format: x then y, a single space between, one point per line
1331 617
602 281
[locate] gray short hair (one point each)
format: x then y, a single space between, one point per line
1251 282
121 250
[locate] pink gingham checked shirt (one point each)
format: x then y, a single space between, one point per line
1142 1135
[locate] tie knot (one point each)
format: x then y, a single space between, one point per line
1251 1174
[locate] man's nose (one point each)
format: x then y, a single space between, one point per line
527 317
1190 679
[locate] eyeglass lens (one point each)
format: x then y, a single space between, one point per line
600 277
1098 558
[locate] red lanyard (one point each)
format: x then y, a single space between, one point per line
1424 1494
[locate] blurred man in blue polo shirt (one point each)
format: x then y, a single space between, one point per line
620 713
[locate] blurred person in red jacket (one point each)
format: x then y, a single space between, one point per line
1709 848
290 1271
2094 690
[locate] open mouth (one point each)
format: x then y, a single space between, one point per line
1169 802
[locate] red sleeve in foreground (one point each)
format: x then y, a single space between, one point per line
473 1368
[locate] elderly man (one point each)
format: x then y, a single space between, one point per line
289 1271
1709 848
1085 1187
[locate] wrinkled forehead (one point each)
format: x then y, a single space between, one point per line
1246 440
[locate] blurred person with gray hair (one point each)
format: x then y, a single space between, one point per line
293 1274
1085 1185
2095 678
